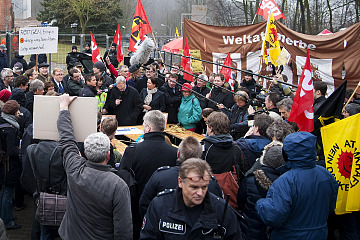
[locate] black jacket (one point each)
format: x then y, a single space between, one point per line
255 186
87 91
203 91
145 157
168 218
112 57
166 177
141 83
252 87
20 59
173 101
129 108
10 143
71 59
29 102
221 153
74 87
221 96
41 58
157 102
3 61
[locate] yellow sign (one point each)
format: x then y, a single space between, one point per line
196 64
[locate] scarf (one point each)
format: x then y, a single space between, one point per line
149 96
12 119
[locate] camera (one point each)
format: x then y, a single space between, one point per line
258 101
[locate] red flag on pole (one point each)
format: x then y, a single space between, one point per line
227 71
140 26
269 5
95 50
117 41
186 63
302 109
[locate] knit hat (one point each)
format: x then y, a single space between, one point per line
31 65
100 65
74 47
10 107
186 87
249 73
5 95
272 155
18 66
113 44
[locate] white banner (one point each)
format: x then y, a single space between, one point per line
37 40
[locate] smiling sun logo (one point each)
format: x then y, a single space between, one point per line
345 162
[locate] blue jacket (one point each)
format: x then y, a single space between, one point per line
189 112
298 203
252 147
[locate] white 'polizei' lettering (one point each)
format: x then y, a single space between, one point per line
173 226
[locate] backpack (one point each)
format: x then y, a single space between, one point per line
229 182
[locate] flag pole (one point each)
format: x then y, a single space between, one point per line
348 101
253 19
157 48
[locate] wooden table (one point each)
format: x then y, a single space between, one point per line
177 135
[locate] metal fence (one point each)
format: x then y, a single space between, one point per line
66 41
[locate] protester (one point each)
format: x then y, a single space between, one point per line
10 174
298 203
172 214
7 79
89 89
172 93
105 194
44 75
351 109
320 89
239 115
75 83
250 83
124 102
219 149
190 110
36 88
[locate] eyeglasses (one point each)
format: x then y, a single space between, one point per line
198 178
10 76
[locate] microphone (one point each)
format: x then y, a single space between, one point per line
142 55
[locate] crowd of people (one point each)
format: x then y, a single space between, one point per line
157 190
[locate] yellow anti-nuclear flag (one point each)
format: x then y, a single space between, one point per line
341 142
271 45
177 33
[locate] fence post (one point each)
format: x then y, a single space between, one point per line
107 42
81 42
9 47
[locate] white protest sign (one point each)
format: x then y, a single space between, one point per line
37 40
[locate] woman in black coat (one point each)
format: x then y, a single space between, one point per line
151 98
10 168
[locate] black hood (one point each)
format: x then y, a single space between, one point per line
220 140
18 95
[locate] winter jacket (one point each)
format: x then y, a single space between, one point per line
221 153
189 112
255 186
252 147
74 87
3 61
129 108
157 102
87 91
98 201
145 157
221 97
166 177
20 59
252 87
168 218
172 101
298 203
10 143
203 91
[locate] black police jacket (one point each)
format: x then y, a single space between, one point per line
167 218
166 177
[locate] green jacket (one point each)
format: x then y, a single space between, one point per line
189 112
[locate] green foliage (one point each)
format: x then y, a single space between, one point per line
100 16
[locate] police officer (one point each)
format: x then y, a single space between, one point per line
190 212
166 177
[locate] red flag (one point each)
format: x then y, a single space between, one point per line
186 63
117 41
269 5
227 71
302 109
140 26
95 50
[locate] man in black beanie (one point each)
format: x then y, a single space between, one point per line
111 53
